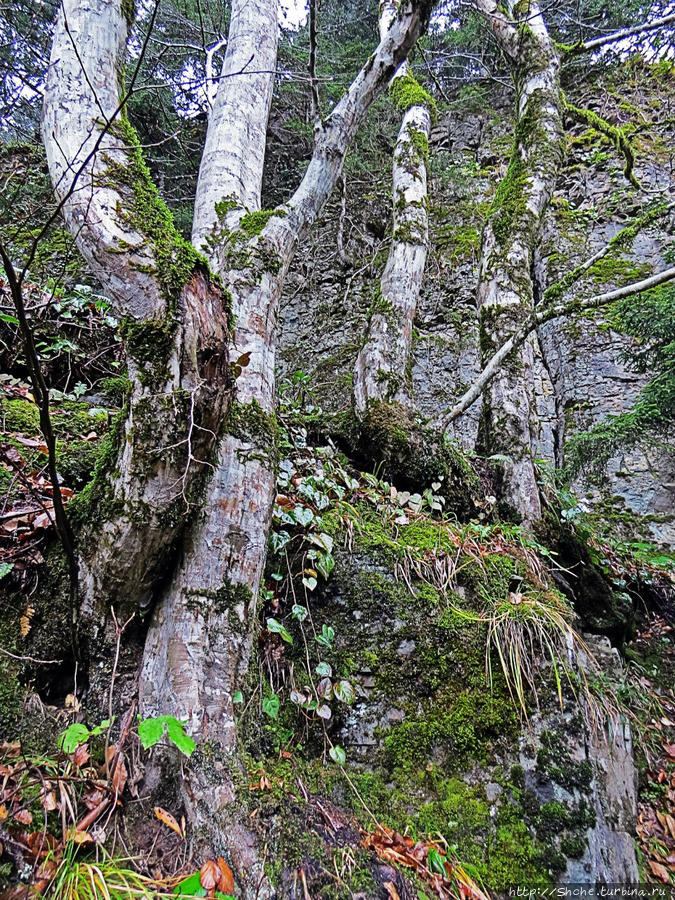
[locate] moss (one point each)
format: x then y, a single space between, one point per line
149 344
420 143
251 424
617 272
617 134
116 389
253 223
406 92
175 259
129 11
509 203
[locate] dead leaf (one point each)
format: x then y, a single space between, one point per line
167 819
82 755
660 871
23 816
209 875
392 893
226 883
25 621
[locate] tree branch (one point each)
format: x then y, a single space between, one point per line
537 318
596 43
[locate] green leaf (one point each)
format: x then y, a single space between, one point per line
344 691
436 862
270 706
150 731
277 628
5 569
190 887
299 612
324 669
325 564
237 697
303 515
326 637
176 733
309 582
338 755
74 735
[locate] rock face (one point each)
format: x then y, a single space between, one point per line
580 375
554 798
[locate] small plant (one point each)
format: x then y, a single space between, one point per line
71 877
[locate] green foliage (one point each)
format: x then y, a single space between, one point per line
151 731
78 878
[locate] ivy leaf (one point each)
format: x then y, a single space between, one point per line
323 540
303 515
278 540
325 564
338 755
309 582
277 628
325 688
270 706
344 691
326 637
324 669
299 612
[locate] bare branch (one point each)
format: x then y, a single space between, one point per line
596 43
537 318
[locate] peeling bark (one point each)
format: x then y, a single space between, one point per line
511 234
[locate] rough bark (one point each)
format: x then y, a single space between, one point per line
381 369
173 316
507 286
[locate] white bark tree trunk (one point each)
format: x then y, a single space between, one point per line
381 371
506 290
202 631
174 318
231 167
202 634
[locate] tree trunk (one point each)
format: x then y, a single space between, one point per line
381 372
203 627
507 286
202 635
173 317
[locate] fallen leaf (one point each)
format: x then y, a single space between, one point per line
167 819
23 816
226 883
209 875
660 871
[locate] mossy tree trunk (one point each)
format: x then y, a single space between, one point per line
507 287
173 317
175 321
382 369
